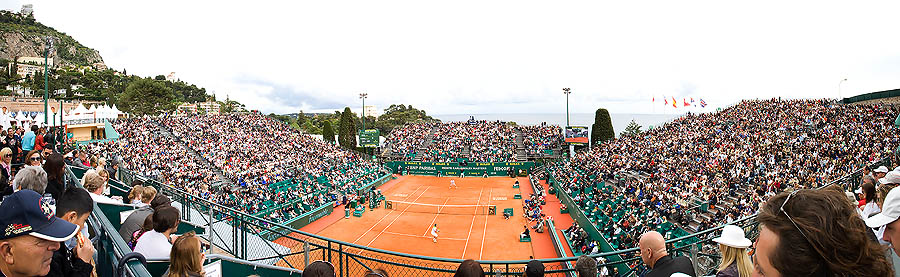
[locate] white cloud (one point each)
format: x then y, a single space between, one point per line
494 56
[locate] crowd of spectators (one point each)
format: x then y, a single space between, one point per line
541 138
272 164
405 140
745 154
477 141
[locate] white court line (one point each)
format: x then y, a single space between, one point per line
395 219
415 236
382 218
435 217
473 223
483 235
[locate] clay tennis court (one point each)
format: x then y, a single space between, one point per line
466 230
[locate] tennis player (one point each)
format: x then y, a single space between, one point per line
434 233
453 184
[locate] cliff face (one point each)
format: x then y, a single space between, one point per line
23 37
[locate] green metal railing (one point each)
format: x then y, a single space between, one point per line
236 233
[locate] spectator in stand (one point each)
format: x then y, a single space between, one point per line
12 142
186 258
157 243
871 206
6 156
586 266
75 256
39 139
815 233
31 178
469 268
880 172
319 269
887 219
56 171
534 268
134 196
28 139
96 184
34 158
654 254
733 248
32 233
136 219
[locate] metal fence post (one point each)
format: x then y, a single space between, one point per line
695 258
305 253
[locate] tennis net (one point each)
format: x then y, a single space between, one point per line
413 207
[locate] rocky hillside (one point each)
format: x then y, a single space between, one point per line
22 36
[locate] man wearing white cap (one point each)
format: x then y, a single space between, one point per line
890 212
880 172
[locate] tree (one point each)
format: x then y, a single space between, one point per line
147 97
602 130
301 118
347 129
633 129
327 132
160 78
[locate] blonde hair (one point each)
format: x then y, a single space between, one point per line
93 181
186 257
148 194
5 151
882 192
739 256
101 162
137 192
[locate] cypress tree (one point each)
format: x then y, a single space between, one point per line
602 129
347 130
327 132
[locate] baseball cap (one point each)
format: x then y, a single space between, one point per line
892 177
882 169
890 211
26 213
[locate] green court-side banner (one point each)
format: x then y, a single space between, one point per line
455 169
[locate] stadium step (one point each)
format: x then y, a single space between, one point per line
521 156
222 180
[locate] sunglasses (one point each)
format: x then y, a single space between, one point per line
791 219
7 155
36 158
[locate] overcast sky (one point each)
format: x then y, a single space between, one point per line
462 57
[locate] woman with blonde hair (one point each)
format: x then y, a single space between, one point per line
186 258
6 156
735 262
135 195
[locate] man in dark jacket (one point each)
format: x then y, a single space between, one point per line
74 255
655 256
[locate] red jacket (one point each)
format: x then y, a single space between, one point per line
39 143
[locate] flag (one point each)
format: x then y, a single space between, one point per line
654 99
692 99
702 103
674 103
685 102
666 101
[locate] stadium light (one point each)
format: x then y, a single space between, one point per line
839 88
363 96
48 48
567 91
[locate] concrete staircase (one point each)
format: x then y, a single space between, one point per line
726 203
424 146
222 180
520 146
